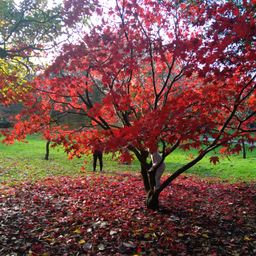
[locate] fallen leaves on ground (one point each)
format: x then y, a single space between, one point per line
105 215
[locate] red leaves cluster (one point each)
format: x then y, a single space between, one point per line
105 215
75 10
233 27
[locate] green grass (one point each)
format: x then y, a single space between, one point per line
22 161
233 168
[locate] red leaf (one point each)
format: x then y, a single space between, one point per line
214 159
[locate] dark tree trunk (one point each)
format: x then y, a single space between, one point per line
244 149
152 201
151 178
47 150
145 166
144 173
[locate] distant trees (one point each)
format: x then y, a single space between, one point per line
27 29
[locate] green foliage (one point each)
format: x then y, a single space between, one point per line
27 29
13 78
25 26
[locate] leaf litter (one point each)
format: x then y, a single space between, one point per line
106 215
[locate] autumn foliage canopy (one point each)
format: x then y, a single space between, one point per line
172 73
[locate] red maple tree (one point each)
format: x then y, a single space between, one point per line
178 75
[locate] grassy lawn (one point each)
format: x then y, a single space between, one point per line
232 168
23 161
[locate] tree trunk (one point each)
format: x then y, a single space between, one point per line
151 178
144 167
244 149
144 174
152 200
47 150
152 196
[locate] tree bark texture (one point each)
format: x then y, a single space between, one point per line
152 197
244 149
152 200
47 150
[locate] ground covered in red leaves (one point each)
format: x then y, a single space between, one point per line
105 215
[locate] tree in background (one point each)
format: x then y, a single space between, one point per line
27 29
170 73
